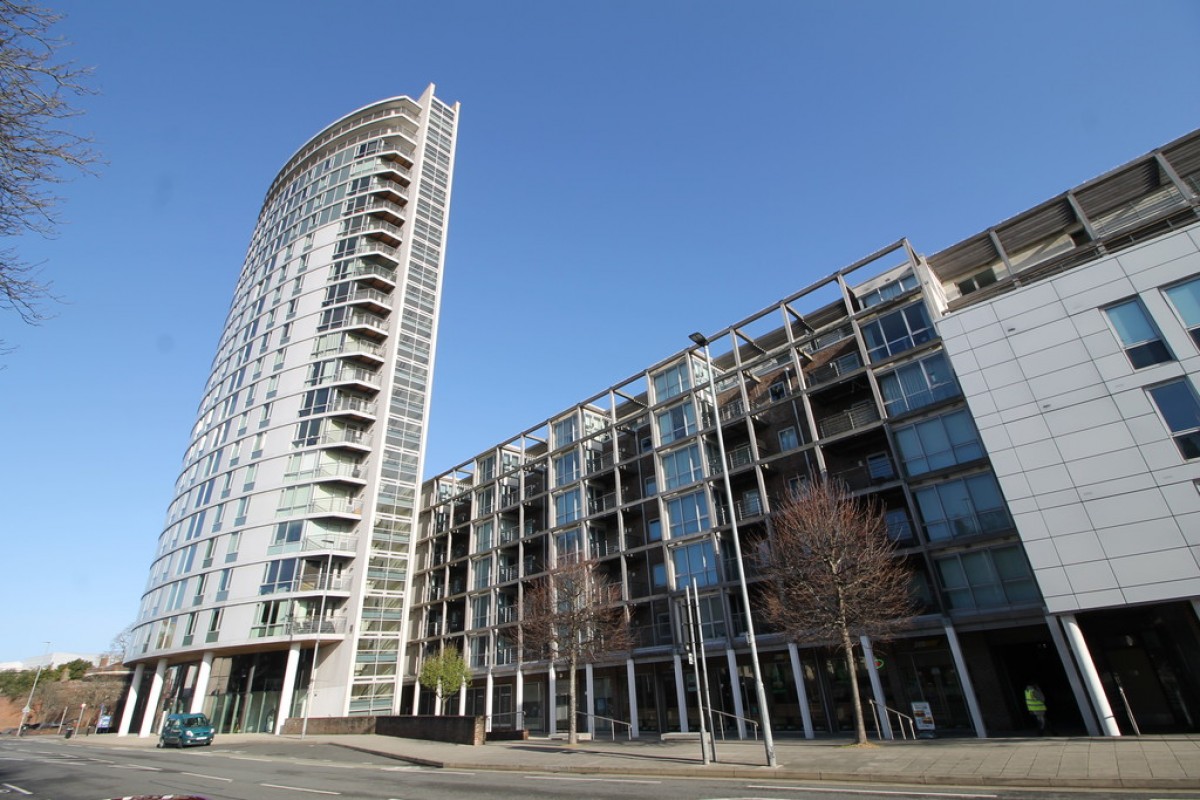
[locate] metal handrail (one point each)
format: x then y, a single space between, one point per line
518 719
735 716
613 732
900 719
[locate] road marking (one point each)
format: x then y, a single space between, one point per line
866 791
210 777
297 788
17 789
586 780
137 766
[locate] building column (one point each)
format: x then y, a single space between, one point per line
1091 679
201 688
489 688
631 681
1077 689
589 684
156 685
885 724
462 701
552 703
681 695
801 690
519 700
964 677
437 704
288 690
735 689
416 704
131 699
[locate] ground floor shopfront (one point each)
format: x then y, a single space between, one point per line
1104 672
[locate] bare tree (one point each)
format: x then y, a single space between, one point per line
36 88
574 614
445 673
833 575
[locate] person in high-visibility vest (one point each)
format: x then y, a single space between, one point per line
1035 701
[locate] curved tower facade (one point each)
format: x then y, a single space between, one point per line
280 580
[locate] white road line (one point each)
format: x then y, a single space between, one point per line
586 780
137 766
867 791
17 788
297 788
209 777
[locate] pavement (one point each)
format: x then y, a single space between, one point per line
1148 762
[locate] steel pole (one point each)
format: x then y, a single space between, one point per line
760 691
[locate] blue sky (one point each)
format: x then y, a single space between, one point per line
627 172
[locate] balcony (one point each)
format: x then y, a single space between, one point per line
506 614
347 545
384 186
834 369
365 270
350 406
357 349
351 438
744 509
506 574
313 626
341 507
605 502
857 416
739 457
362 322
387 251
369 298
386 209
360 378
506 656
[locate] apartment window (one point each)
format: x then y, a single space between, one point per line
898 527
987 578
231 548
480 611
214 625
712 617
566 431
676 423
687 515
279 576
682 467
671 382
256 451
483 536
243 507
1143 345
896 332
788 440
568 545
567 507
566 468
223 583
695 561
654 530
977 281
889 290
481 568
251 474
485 501
918 384
939 442
963 507
1185 297
288 532
487 468
1180 411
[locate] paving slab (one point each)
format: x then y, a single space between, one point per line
1148 762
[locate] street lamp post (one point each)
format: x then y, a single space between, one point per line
760 691
29 703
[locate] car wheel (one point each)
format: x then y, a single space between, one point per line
159 745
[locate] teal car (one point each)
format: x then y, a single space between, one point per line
185 730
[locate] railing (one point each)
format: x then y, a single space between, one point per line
735 718
615 722
357 319
342 403
327 583
505 574
506 614
378 184
351 346
505 656
344 436
361 268
834 369
517 724
854 417
901 719
333 505
602 503
363 294
337 625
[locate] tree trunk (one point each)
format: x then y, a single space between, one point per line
860 729
572 717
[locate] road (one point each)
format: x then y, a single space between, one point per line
53 769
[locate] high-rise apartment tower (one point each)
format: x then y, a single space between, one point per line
279 583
